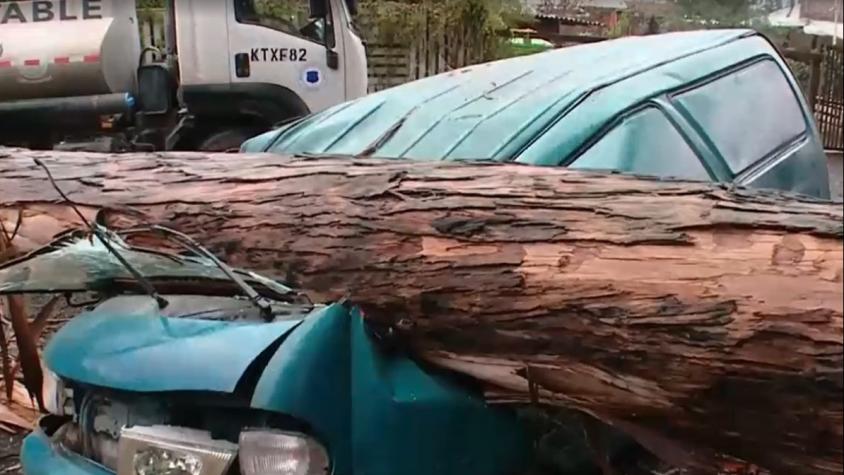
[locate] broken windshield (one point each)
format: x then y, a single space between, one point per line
77 263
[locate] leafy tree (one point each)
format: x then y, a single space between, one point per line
149 4
718 10
476 22
724 13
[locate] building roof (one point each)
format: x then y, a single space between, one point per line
607 4
568 20
494 110
549 10
793 17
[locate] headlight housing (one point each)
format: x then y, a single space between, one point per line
274 452
165 450
58 399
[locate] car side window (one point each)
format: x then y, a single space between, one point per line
645 143
288 16
748 114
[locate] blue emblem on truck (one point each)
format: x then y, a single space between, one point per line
312 77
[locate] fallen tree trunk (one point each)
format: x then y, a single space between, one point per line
682 312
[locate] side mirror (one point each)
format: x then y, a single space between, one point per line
352 5
155 89
332 59
318 8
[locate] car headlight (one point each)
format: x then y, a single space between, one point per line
58 399
165 450
271 452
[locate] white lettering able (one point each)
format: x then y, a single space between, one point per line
49 10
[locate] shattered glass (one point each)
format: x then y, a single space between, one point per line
78 262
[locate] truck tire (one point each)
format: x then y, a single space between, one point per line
228 140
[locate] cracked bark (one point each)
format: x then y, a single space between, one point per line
689 315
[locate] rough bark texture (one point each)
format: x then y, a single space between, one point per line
682 312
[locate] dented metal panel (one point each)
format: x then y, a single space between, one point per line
381 413
126 343
41 456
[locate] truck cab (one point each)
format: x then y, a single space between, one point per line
276 65
75 70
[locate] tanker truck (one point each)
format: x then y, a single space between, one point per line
74 72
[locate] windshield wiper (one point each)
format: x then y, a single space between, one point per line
259 301
102 235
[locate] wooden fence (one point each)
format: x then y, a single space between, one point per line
432 50
829 103
394 64
821 80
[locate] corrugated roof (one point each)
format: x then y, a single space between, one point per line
570 20
478 111
608 4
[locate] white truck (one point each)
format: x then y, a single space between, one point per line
73 71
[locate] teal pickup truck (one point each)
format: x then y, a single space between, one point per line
219 385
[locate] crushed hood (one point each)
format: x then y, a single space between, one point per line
204 339
128 343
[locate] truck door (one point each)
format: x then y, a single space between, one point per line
280 43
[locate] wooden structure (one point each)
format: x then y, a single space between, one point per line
829 102
825 86
562 30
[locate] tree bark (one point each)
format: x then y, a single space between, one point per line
690 315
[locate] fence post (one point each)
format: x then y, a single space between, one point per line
814 81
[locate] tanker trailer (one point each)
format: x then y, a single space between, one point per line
72 72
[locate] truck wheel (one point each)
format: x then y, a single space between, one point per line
228 140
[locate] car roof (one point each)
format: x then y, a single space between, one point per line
491 110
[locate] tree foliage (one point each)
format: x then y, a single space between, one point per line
715 9
476 22
149 4
723 13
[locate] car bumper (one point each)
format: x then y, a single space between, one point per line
39 456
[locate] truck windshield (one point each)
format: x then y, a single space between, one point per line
289 16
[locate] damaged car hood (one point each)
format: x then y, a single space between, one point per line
203 339
164 352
